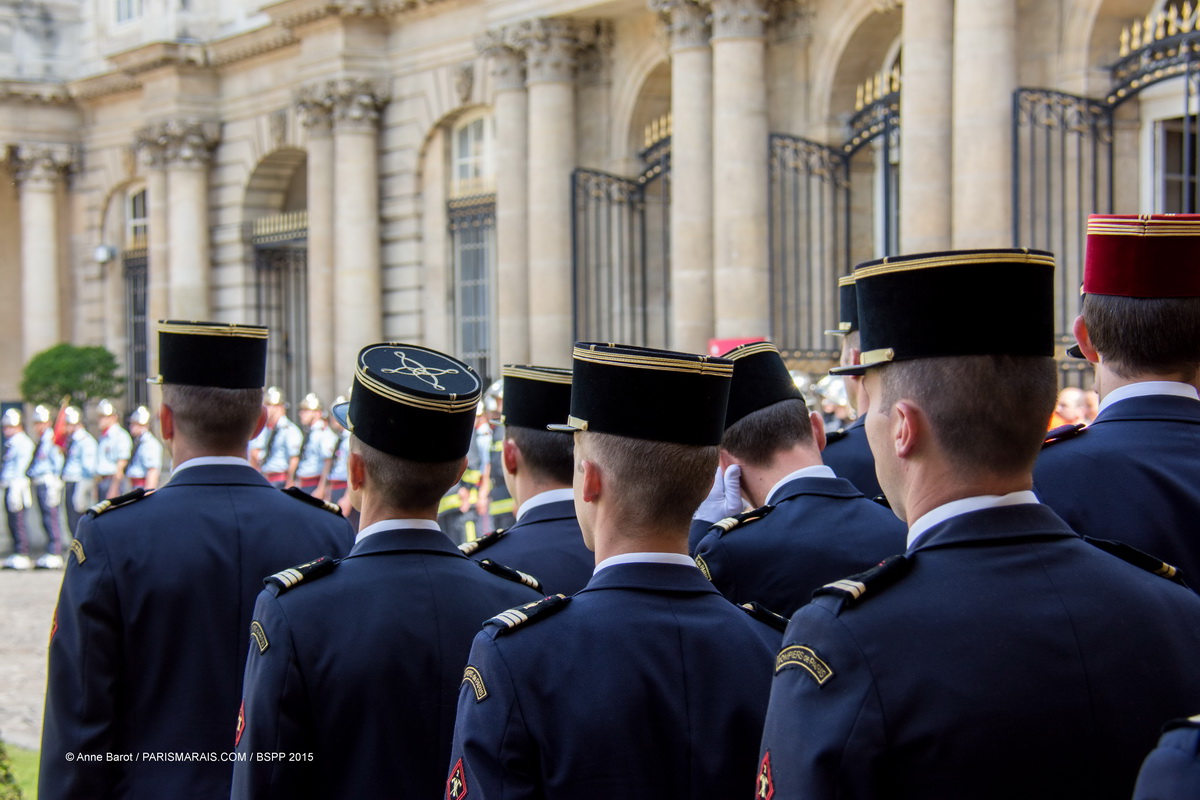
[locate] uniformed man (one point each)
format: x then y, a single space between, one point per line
1172 770
355 665
1132 474
1001 655
497 504
146 458
149 643
276 449
316 448
18 494
113 449
809 526
647 683
45 474
846 451
79 468
538 465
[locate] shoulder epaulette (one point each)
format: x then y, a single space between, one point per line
880 576
1138 558
882 500
507 621
835 436
764 614
512 574
117 502
1063 432
288 578
300 494
473 547
729 523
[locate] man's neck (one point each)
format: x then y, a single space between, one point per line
617 540
525 488
183 451
931 488
757 482
1107 380
373 511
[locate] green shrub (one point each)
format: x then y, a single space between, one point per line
67 370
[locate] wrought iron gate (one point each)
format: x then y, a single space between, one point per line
472 223
620 238
135 267
281 298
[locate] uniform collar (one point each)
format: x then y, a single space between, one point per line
659 576
1149 389
212 461
397 524
216 470
542 498
645 558
400 536
967 504
815 471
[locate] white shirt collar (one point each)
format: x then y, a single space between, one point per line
542 498
1147 389
965 505
815 471
645 558
211 461
396 524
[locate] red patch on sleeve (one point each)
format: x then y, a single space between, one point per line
54 624
766 783
241 726
456 784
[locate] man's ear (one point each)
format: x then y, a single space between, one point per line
355 473
262 422
462 469
592 481
166 422
818 430
727 459
908 428
509 456
1079 328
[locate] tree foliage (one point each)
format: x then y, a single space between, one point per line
65 369
9 788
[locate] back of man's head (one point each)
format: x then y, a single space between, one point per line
1143 336
759 437
650 484
403 484
547 455
987 413
211 419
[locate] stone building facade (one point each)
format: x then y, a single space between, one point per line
499 178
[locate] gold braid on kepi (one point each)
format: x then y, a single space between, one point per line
215 354
535 397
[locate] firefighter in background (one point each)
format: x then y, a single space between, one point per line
496 505
459 512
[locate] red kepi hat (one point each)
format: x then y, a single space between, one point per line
1152 255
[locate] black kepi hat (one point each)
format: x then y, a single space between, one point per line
641 393
535 397
958 303
217 354
760 379
847 307
412 402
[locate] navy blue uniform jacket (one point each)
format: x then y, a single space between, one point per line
150 639
1132 475
361 669
849 455
1172 770
818 530
546 542
646 684
1012 660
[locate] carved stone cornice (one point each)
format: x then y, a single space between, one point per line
40 165
187 141
685 20
47 94
507 62
249 44
160 54
551 48
739 19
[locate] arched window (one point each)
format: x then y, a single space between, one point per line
471 214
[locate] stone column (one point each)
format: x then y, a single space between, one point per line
925 103
510 107
357 290
692 303
985 75
188 145
739 166
38 169
550 47
317 116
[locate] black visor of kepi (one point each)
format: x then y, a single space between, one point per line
412 402
216 354
964 303
642 393
535 397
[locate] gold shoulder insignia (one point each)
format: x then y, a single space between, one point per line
799 656
259 636
300 494
471 675
512 574
507 621
855 587
472 547
117 502
290 577
1138 558
765 615
703 568
1062 433
729 523
77 551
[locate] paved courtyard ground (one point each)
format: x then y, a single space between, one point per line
26 606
